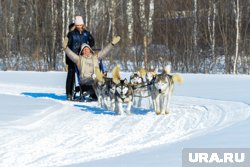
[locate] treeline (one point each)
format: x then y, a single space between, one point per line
207 36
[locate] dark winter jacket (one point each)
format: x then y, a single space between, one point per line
76 39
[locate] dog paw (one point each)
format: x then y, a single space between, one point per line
158 112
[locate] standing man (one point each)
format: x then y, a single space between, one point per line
75 39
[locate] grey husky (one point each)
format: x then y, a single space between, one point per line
161 87
105 90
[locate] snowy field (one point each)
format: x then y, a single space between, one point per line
39 128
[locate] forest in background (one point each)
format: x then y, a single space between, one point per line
196 36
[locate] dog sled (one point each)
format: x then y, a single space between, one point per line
79 93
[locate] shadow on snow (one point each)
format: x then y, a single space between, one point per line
98 110
95 110
86 108
46 95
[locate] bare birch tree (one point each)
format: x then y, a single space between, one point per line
195 33
144 28
146 13
63 34
130 18
238 37
211 28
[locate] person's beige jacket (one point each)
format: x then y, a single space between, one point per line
87 65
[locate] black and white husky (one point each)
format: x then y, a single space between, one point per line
105 90
161 87
123 93
136 80
113 92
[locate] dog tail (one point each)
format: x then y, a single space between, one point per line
116 74
98 74
142 72
177 78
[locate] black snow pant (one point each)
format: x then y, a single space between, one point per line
70 80
90 90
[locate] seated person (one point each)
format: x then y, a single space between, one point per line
87 62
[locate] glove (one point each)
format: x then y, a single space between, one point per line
115 40
93 76
65 42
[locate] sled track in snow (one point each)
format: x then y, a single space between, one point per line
63 131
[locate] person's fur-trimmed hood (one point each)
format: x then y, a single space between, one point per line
86 45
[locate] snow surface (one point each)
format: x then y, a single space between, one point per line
38 127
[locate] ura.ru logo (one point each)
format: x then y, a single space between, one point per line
216 158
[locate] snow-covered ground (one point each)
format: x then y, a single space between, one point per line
38 127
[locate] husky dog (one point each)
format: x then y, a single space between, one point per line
102 92
150 77
141 93
99 87
105 89
161 87
123 93
136 80
110 94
